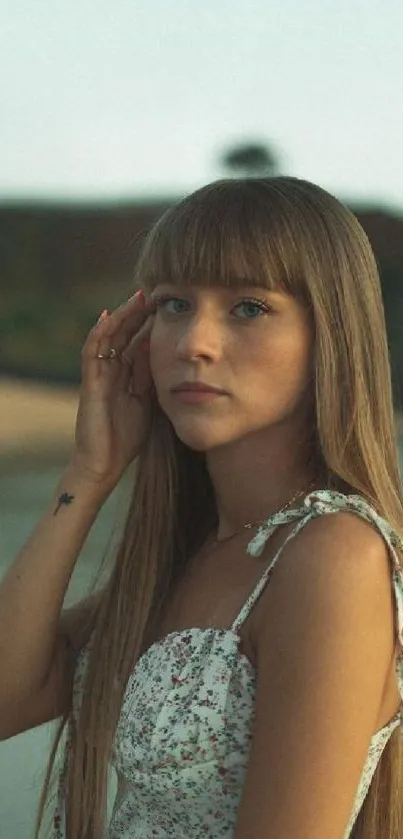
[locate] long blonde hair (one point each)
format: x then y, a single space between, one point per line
286 233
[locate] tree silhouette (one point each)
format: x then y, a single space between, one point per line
250 160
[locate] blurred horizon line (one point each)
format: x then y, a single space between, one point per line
166 196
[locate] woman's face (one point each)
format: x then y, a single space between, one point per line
253 344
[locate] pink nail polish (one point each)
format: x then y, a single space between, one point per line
138 294
103 315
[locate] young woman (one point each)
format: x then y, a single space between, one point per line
242 670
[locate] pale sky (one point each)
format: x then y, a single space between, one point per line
121 98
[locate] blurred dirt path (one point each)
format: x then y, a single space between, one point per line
36 420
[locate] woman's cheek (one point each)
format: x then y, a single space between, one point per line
158 359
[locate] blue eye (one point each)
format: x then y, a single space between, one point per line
256 307
162 303
259 308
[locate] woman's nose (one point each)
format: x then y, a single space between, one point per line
200 337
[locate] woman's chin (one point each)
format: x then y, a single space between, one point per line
198 436
197 442
202 433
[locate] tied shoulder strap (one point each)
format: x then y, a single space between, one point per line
322 502
325 502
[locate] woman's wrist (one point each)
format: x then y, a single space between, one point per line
76 479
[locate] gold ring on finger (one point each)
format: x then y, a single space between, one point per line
109 356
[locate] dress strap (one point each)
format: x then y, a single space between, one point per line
318 503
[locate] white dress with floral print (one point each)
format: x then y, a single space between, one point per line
185 728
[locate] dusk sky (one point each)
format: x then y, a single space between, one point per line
124 99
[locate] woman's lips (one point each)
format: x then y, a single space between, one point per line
195 396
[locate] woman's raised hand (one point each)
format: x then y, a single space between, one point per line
114 411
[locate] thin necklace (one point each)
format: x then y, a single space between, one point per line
260 521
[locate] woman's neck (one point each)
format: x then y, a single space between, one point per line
251 482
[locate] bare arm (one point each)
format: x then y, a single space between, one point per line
33 650
113 420
54 697
324 651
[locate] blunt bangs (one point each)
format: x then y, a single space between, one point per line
226 234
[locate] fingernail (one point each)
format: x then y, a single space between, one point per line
103 315
138 294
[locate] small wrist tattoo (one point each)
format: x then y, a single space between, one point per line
64 498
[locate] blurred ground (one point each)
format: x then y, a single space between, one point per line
36 423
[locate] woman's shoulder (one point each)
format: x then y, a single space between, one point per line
336 516
355 513
335 560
